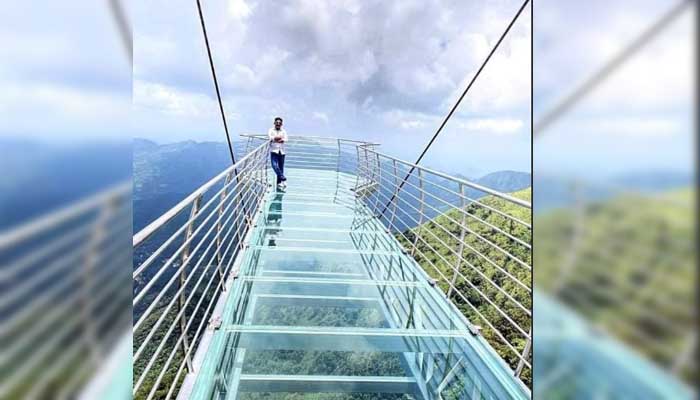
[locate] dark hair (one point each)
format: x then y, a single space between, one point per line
278 118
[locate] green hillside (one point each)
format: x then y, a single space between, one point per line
438 254
627 265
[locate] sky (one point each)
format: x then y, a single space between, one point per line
384 71
65 75
640 118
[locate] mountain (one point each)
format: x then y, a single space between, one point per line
557 192
40 176
627 264
434 251
164 174
506 181
655 180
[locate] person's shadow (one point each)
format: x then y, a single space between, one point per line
274 219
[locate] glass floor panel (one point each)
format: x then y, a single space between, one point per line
360 264
310 301
342 239
315 220
326 305
278 202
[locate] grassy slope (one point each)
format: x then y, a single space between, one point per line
437 255
632 271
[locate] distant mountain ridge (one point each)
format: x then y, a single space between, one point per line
554 192
43 176
165 173
506 181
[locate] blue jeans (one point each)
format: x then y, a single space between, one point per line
277 161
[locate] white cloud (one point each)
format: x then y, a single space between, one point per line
172 101
323 117
378 67
498 126
239 9
658 126
41 108
657 76
412 124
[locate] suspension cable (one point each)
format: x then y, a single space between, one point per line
124 28
216 83
449 115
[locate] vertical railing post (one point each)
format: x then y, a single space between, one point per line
421 211
574 247
261 182
370 173
686 354
337 166
525 353
99 233
359 170
395 195
266 161
183 277
460 245
247 145
244 179
262 167
219 228
337 175
378 186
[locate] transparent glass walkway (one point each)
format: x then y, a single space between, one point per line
326 305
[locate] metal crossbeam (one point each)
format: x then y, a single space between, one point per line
326 383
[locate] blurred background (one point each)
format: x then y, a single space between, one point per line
65 200
614 198
614 193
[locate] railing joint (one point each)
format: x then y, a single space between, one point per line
475 329
215 323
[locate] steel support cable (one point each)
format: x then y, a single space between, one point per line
603 73
454 108
216 85
124 27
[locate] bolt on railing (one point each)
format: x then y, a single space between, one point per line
181 264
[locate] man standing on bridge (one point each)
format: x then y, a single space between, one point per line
278 137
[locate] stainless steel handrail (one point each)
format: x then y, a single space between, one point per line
170 214
473 185
64 294
193 247
185 268
407 210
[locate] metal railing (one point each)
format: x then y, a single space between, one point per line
635 282
64 295
181 263
474 241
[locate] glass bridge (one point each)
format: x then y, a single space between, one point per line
304 293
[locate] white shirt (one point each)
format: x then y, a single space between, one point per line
277 147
